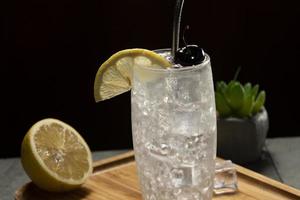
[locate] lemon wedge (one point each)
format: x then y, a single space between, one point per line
55 156
114 76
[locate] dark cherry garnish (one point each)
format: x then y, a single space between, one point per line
189 55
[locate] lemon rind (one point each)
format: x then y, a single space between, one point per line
112 61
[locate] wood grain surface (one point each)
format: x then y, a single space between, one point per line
116 179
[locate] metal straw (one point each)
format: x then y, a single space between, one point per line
176 26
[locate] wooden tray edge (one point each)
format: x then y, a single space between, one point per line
98 166
113 161
128 157
267 181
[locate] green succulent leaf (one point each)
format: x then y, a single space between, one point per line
248 89
248 85
259 102
221 87
246 110
237 100
231 83
235 95
255 90
222 106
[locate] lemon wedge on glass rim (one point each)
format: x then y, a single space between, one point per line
114 76
55 156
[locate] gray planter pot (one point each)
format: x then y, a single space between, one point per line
242 140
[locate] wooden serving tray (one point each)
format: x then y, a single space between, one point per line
115 179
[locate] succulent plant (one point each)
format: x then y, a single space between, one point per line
237 100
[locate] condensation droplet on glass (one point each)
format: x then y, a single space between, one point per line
166 99
177 191
177 176
165 149
152 197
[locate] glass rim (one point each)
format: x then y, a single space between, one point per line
175 70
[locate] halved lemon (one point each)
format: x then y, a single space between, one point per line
114 76
55 156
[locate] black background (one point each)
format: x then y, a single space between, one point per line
51 50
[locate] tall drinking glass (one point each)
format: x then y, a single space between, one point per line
174 130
